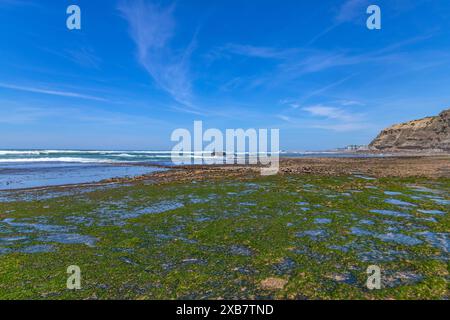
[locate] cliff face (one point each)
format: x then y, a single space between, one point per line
432 133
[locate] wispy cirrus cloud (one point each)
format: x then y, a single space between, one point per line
152 28
298 103
354 11
342 127
83 55
257 51
293 63
333 113
350 103
15 113
326 117
351 10
51 92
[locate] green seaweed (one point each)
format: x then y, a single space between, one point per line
220 239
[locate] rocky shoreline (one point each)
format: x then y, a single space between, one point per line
431 166
394 166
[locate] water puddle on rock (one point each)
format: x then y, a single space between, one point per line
39 232
364 177
400 278
161 207
393 193
286 266
377 256
12 239
399 238
432 212
40 248
313 234
241 251
29 227
347 278
388 237
366 222
173 237
69 238
442 202
401 203
437 240
322 221
391 213
423 189
106 215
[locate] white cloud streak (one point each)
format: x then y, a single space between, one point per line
152 28
331 113
326 118
351 9
51 92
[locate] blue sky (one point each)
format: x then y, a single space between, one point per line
139 69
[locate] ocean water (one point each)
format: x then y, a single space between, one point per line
34 175
21 169
103 156
82 156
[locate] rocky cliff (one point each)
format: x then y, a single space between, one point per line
428 134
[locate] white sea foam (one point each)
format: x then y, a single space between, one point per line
100 156
60 159
104 152
8 152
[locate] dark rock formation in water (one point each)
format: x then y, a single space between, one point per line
427 134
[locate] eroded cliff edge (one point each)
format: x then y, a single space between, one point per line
427 134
